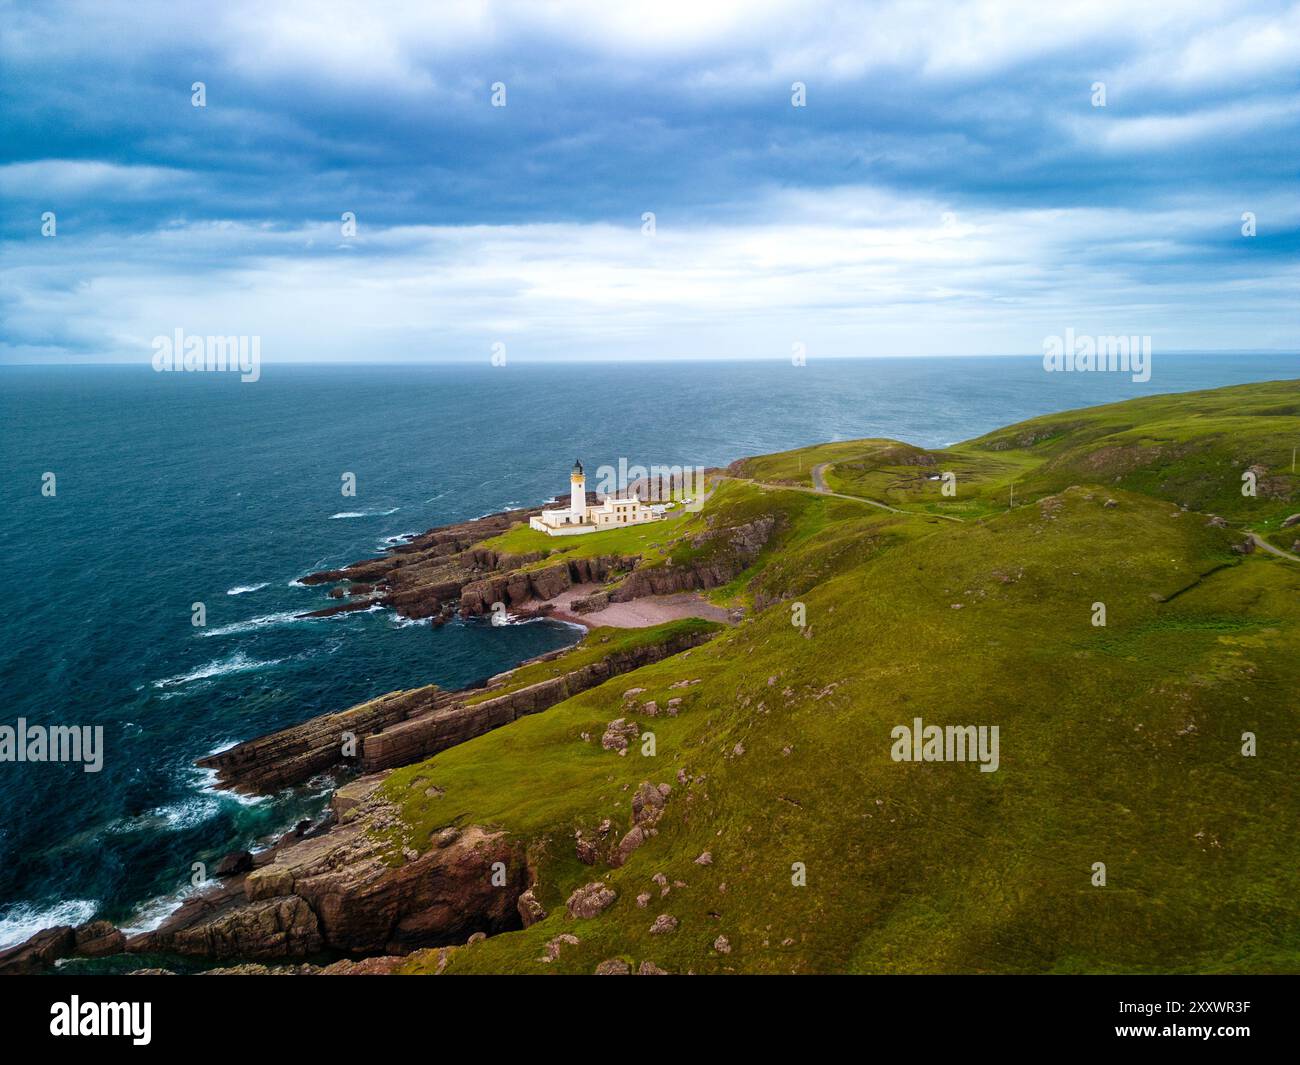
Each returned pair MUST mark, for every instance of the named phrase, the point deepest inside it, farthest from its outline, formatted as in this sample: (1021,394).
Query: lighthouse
(577,518)
(578,492)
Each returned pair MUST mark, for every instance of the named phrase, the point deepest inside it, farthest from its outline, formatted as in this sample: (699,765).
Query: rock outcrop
(39,952)
(407,726)
(296,754)
(353,891)
(591,900)
(447,571)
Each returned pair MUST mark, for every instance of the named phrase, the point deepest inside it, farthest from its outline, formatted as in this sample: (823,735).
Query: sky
(949,185)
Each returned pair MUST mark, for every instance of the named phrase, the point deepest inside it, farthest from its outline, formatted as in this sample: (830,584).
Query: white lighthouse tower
(612,512)
(578,492)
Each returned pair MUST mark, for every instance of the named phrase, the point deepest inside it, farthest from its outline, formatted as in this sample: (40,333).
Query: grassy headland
(1120,744)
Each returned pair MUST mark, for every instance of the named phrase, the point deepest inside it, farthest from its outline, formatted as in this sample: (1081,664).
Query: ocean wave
(23,920)
(252,624)
(365,513)
(240,589)
(184,813)
(206,781)
(400,622)
(236,663)
(153,913)
(176,816)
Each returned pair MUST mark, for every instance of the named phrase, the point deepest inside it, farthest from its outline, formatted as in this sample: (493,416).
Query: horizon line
(600,360)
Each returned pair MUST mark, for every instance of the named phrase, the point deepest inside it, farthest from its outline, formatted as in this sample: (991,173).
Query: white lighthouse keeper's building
(610,513)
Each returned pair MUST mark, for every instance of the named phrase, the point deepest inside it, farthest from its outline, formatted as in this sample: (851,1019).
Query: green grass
(1189,448)
(597,645)
(650,540)
(1119,744)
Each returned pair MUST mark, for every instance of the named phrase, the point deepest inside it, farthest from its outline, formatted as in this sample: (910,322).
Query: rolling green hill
(1119,743)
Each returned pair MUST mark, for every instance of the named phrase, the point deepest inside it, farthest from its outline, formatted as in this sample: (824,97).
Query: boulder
(530,910)
(234,862)
(664,924)
(647,804)
(271,881)
(619,733)
(627,845)
(40,951)
(552,949)
(98,939)
(591,900)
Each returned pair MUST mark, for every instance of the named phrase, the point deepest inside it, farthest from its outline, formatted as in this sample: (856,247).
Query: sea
(177,489)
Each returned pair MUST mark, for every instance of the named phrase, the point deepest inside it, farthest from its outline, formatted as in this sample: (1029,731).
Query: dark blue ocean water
(181,488)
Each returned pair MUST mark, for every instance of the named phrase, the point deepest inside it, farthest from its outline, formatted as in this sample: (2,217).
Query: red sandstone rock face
(367,906)
(446,571)
(39,952)
(353,891)
(340,892)
(282,927)
(296,754)
(404,727)
(98,939)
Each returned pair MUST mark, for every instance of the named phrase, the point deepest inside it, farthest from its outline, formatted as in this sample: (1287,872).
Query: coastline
(632,614)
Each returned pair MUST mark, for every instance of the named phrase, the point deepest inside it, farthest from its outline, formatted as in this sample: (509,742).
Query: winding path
(1259,541)
(820,488)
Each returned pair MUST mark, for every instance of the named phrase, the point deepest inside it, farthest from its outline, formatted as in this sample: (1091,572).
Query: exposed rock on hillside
(343,891)
(403,727)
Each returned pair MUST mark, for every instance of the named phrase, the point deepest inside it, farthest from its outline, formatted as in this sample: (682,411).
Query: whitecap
(400,622)
(154,912)
(365,513)
(240,589)
(185,813)
(174,817)
(206,781)
(22,920)
(236,663)
(253,623)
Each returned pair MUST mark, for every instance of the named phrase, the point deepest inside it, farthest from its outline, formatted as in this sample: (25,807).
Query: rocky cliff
(405,726)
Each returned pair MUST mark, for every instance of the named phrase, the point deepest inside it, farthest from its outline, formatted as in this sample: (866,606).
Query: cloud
(775,223)
(857,271)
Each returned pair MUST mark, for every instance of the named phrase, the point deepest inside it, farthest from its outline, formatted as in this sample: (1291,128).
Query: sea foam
(365,513)
(23,920)
(236,663)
